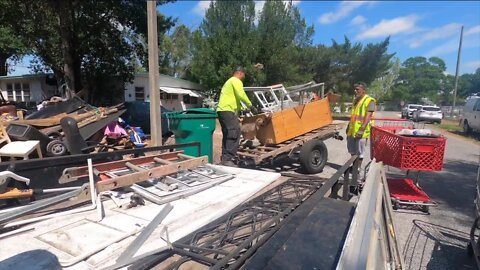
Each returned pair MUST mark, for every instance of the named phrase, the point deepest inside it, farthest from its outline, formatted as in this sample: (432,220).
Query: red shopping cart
(406,152)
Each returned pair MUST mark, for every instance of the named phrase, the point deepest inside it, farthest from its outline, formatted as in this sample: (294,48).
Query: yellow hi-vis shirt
(231,95)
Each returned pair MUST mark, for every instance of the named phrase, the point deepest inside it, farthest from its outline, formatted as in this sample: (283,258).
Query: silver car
(428,114)
(408,110)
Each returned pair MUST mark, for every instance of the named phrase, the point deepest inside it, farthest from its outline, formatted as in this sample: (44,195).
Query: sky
(416,28)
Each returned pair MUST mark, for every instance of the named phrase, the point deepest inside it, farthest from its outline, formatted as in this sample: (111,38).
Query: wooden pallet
(262,153)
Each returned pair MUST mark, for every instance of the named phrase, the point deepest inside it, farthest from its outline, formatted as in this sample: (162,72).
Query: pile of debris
(126,211)
(58,127)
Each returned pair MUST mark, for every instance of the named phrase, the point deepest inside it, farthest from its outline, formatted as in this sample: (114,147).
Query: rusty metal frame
(137,177)
(75,173)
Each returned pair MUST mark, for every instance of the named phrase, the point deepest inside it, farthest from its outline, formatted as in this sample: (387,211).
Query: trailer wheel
(313,156)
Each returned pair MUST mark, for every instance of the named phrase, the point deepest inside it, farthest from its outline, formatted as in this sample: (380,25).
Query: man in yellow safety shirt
(358,130)
(229,105)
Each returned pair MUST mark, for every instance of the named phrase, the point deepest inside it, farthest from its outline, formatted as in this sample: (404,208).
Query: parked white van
(471,115)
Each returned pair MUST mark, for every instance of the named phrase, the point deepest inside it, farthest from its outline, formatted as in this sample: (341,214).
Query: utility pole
(153,76)
(456,72)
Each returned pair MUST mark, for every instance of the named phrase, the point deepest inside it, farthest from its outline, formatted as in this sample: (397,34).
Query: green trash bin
(194,125)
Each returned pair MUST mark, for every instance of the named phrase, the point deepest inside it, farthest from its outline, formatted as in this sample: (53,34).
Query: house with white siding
(175,93)
(28,89)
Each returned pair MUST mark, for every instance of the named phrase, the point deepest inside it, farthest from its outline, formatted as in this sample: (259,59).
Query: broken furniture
(44,125)
(287,120)
(288,128)
(18,149)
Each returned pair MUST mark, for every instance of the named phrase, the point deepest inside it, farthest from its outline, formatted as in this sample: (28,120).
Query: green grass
(450,127)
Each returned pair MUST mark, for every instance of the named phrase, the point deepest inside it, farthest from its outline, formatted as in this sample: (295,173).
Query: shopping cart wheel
(426,209)
(395,205)
(313,156)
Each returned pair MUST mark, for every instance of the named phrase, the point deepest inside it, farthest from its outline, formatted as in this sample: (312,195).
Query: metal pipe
(40,205)
(59,214)
(53,190)
(128,253)
(93,191)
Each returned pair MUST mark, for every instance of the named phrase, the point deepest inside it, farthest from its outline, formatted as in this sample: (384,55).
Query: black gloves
(254,110)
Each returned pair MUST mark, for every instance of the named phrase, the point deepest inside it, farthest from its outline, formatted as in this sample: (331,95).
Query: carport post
(153,76)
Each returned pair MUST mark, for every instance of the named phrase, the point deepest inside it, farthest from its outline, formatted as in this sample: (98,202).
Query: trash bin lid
(193,113)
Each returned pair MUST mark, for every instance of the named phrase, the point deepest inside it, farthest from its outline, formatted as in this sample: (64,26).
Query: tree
(175,53)
(382,86)
(469,84)
(283,36)
(373,62)
(341,65)
(422,78)
(11,42)
(225,39)
(86,42)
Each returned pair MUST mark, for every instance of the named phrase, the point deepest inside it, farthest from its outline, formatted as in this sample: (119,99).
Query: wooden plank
(267,147)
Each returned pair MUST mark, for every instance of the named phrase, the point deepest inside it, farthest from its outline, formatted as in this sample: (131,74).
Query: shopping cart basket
(416,153)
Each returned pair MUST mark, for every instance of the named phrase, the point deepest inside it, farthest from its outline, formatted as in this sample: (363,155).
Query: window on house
(186,99)
(17,88)
(163,95)
(189,99)
(26,92)
(10,91)
(19,92)
(139,93)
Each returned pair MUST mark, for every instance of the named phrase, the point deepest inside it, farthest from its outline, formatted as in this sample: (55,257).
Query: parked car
(471,115)
(428,114)
(408,110)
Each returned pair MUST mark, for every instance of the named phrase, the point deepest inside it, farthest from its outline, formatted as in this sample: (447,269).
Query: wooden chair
(20,149)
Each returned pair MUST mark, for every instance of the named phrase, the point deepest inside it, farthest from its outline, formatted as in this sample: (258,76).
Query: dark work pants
(231,134)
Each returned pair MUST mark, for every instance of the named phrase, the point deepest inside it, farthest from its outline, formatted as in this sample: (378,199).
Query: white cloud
(451,46)
(344,9)
(473,30)
(473,64)
(399,25)
(358,20)
(201,7)
(445,31)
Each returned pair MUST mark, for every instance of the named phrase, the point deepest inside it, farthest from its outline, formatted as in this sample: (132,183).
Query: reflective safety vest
(359,112)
